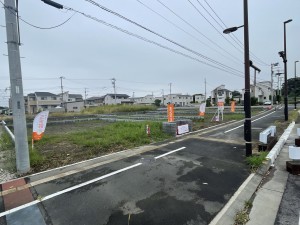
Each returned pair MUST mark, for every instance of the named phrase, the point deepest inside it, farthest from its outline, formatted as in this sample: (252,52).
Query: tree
(157,102)
(227,100)
(254,101)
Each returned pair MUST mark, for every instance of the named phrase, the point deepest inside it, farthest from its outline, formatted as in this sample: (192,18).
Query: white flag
(39,125)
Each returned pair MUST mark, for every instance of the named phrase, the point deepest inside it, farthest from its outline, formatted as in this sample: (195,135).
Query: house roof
(95,98)
(118,95)
(42,94)
(75,96)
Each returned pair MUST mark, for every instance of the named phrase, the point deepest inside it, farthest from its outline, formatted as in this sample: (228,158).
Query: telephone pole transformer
(17,97)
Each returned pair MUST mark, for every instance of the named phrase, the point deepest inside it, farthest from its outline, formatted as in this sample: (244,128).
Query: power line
(155,43)
(214,27)
(194,37)
(161,36)
(233,34)
(198,31)
(38,27)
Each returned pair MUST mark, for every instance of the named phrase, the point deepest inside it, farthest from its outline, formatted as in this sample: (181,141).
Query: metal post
(295,86)
(247,102)
(286,115)
(18,106)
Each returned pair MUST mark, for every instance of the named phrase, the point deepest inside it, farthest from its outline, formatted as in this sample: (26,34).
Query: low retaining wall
(171,127)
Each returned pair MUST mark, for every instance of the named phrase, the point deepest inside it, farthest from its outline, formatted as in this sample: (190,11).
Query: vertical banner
(202,109)
(170,112)
(232,108)
(39,125)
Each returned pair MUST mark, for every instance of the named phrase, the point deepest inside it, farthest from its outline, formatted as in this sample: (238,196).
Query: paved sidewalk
(269,195)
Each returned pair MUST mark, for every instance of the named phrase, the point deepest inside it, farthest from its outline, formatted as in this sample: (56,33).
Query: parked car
(267,103)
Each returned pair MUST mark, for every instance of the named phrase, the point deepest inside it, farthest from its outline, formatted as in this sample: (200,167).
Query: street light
(295,85)
(247,103)
(283,55)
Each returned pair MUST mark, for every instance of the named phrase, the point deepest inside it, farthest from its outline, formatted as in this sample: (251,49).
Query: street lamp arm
(231,29)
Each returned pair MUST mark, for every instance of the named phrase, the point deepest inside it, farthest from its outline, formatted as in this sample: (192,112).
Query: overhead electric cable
(38,27)
(266,64)
(215,27)
(163,37)
(197,39)
(198,31)
(153,42)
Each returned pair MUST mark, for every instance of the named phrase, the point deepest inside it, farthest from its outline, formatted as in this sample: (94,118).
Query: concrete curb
(227,215)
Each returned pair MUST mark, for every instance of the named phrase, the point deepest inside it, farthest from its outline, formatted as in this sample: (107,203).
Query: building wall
(74,106)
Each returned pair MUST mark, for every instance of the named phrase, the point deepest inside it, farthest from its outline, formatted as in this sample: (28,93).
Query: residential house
(113,99)
(75,106)
(198,98)
(176,99)
(146,100)
(40,101)
(262,91)
(94,101)
(220,94)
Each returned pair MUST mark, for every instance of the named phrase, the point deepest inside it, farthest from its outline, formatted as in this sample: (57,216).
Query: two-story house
(220,94)
(114,99)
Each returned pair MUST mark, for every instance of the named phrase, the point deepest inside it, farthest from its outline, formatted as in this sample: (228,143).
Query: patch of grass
(293,115)
(242,216)
(118,136)
(255,161)
(6,142)
(36,159)
(111,137)
(105,109)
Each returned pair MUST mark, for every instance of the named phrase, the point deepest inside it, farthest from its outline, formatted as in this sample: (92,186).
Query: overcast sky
(184,48)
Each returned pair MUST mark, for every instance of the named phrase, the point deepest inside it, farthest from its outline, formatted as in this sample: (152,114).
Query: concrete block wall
(171,127)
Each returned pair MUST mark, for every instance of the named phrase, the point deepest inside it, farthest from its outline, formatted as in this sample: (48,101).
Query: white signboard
(183,129)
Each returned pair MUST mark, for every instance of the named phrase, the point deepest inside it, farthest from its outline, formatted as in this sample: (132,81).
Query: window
(53,98)
(69,100)
(75,107)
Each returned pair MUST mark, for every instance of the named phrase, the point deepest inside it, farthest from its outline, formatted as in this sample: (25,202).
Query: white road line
(168,153)
(299,217)
(80,185)
(251,122)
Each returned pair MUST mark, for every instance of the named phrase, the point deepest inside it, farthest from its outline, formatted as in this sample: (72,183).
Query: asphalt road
(182,183)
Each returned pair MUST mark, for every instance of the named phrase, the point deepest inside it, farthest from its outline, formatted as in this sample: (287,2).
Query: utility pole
(62,89)
(170,92)
(295,85)
(16,84)
(205,89)
(272,94)
(85,94)
(113,81)
(163,97)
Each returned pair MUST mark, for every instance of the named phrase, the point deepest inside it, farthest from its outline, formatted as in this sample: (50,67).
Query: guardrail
(12,136)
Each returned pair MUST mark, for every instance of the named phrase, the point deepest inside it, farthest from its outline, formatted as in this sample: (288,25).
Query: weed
(255,161)
(105,109)
(6,142)
(36,159)
(242,216)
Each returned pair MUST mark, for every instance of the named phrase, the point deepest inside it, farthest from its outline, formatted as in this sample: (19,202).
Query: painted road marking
(168,153)
(251,122)
(81,185)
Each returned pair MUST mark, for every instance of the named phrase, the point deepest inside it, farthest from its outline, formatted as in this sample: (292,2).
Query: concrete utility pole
(272,94)
(170,92)
(113,81)
(163,97)
(85,94)
(18,106)
(295,85)
(62,89)
(205,89)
